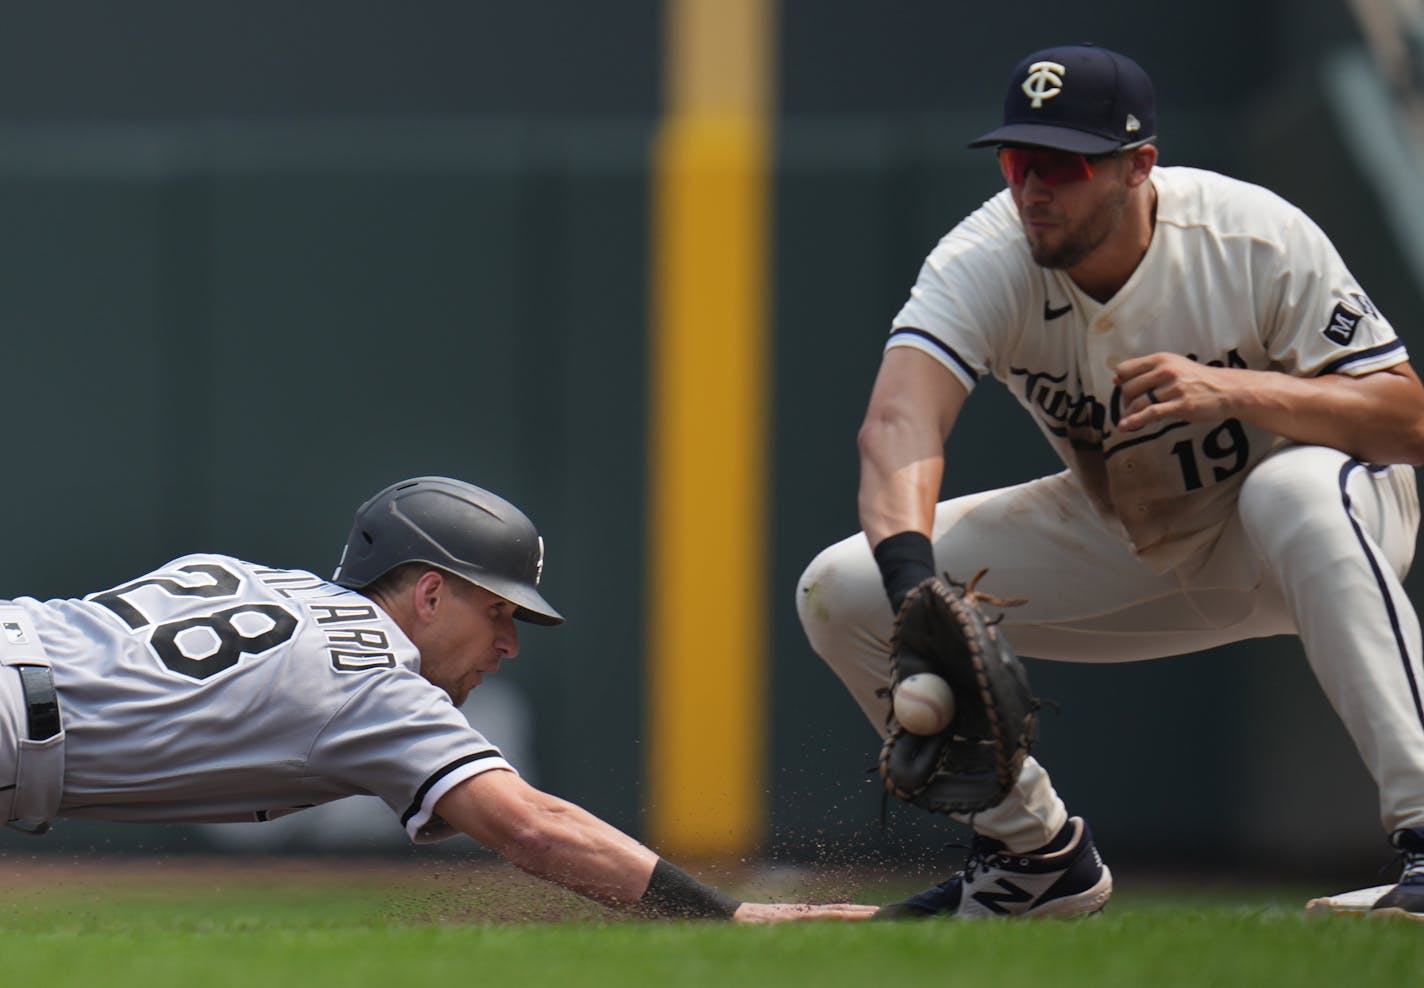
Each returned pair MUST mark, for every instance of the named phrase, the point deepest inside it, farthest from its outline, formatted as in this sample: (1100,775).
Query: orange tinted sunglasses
(1052,167)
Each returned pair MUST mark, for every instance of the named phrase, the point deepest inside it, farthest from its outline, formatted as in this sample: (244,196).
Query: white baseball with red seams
(924,703)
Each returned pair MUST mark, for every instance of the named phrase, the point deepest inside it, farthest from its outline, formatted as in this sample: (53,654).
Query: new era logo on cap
(1076,98)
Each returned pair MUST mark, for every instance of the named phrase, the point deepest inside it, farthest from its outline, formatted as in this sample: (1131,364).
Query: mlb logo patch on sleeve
(1343,323)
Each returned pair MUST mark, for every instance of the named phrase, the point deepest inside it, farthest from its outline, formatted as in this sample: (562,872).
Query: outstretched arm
(1377,417)
(555,840)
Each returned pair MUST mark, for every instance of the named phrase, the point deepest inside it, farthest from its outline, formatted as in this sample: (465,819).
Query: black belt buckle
(41,701)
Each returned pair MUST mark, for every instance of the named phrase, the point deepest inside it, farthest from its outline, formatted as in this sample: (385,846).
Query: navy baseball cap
(1076,98)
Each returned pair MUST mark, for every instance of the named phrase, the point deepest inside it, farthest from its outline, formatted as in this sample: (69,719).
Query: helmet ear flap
(454,526)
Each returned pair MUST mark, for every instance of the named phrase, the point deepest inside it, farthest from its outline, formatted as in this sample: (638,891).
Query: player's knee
(839,592)
(1285,491)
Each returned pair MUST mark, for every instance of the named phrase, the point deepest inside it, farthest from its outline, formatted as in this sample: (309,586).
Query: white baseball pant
(1317,548)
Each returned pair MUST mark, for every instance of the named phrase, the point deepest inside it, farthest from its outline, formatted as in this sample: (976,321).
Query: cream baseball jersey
(1234,276)
(214,689)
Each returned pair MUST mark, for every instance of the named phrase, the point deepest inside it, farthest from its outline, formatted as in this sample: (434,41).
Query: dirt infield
(77,872)
(431,891)
(421,890)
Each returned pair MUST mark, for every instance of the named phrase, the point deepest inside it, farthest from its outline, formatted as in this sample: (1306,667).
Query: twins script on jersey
(982,306)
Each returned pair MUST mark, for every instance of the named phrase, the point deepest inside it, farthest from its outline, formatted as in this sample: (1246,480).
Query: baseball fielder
(214,689)
(1235,418)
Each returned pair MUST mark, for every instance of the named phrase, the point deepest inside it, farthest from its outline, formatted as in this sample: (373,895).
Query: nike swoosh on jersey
(1050,313)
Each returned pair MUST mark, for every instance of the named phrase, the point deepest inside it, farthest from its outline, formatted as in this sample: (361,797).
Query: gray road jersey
(215,690)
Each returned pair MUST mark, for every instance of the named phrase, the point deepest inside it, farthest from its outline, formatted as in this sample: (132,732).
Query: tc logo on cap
(1044,81)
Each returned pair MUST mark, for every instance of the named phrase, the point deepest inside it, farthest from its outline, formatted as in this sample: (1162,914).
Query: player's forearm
(895,495)
(606,870)
(555,840)
(901,465)
(549,837)
(575,849)
(561,843)
(912,408)
(897,498)
(1377,418)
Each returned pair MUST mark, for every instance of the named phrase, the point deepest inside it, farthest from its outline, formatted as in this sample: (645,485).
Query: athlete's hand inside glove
(973,762)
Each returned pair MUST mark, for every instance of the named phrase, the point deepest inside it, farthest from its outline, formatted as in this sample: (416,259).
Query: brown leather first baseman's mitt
(973,762)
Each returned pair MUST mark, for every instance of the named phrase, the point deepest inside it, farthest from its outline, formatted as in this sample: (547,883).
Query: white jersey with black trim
(1234,276)
(214,689)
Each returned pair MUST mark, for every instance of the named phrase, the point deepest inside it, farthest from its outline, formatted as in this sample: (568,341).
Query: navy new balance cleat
(1406,899)
(1064,878)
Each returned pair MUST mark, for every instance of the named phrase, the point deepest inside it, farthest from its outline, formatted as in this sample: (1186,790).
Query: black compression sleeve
(674,893)
(906,560)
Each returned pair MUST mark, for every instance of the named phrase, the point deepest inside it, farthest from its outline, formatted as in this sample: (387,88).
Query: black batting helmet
(453,526)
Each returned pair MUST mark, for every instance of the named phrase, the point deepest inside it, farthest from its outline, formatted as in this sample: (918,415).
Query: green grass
(385,929)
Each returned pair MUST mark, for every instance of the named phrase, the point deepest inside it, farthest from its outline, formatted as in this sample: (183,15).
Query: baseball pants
(1317,548)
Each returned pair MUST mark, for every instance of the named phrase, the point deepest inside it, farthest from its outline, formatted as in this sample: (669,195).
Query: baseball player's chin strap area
(675,894)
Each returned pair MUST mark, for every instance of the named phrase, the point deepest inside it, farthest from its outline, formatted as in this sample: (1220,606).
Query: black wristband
(906,560)
(674,893)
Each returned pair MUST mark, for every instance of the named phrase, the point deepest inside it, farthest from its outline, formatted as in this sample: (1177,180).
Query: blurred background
(260,259)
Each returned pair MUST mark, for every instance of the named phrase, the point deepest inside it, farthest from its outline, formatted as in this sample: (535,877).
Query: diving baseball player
(214,689)
(1236,420)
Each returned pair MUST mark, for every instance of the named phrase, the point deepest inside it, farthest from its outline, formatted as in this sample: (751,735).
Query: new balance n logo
(1012,895)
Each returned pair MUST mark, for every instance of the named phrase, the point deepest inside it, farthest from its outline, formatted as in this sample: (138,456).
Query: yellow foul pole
(709,350)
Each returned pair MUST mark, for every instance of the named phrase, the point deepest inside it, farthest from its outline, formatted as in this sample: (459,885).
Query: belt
(41,702)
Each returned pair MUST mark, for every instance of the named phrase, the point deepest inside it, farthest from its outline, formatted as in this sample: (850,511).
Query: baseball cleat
(1406,899)
(1064,878)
